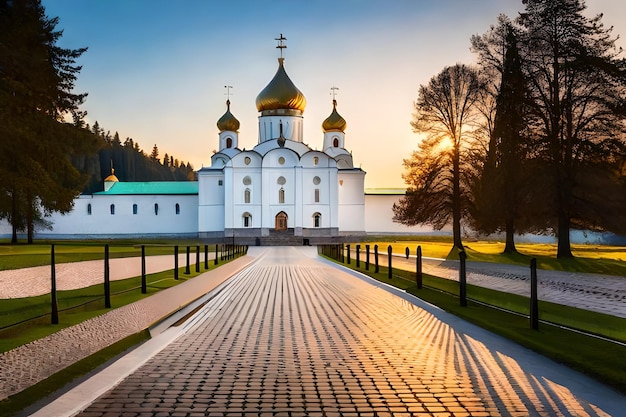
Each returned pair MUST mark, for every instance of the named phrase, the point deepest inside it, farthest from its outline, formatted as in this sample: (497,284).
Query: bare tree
(445,112)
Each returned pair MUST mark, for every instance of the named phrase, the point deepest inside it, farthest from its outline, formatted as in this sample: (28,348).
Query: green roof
(152,188)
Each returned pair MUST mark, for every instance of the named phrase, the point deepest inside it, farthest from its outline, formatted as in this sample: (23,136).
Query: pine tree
(35,96)
(577,87)
(501,189)
(154,156)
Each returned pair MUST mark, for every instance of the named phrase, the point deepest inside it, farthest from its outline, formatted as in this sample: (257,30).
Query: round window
(247,181)
(246,160)
(281,181)
(281,160)
(316,180)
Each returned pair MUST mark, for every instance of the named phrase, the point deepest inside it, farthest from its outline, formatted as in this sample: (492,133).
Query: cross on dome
(281,43)
(333,91)
(228,87)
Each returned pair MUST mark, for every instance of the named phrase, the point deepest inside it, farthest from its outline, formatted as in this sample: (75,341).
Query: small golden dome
(334,122)
(280,93)
(228,121)
(112,177)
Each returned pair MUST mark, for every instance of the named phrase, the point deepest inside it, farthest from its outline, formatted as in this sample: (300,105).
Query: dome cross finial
(281,43)
(333,92)
(228,87)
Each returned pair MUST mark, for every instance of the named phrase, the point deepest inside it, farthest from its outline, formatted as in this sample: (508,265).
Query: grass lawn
(598,358)
(609,260)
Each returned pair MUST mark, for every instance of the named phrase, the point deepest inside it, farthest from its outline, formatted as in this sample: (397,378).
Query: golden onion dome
(112,177)
(334,122)
(280,93)
(228,121)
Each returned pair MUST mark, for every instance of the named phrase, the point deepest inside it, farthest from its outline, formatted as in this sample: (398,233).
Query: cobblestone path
(294,336)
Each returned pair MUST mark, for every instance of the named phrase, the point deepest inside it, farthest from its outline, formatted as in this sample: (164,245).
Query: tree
(445,112)
(36,82)
(501,189)
(154,156)
(576,84)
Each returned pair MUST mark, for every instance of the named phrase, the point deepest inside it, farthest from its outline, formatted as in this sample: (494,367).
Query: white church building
(281,187)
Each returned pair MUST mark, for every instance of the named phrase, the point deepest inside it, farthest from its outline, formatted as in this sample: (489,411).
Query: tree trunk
(29,222)
(564,249)
(509,246)
(456,199)
(14,217)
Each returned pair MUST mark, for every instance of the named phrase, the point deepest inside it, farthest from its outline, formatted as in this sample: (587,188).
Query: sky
(156,70)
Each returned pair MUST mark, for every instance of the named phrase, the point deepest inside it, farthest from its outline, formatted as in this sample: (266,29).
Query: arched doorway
(281,221)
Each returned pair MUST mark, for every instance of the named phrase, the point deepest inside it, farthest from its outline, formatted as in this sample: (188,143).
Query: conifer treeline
(130,162)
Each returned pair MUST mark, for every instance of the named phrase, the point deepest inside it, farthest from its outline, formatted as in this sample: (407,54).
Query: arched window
(112,208)
(246,196)
(177,208)
(281,196)
(317,220)
(134,208)
(247,220)
(89,209)
(156,209)
(316,160)
(336,143)
(229,143)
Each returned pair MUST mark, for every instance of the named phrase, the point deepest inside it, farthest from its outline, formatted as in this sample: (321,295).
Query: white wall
(379,215)
(101,222)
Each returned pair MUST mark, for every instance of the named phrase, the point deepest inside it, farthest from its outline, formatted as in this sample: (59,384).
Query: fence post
(54,313)
(367,257)
(197,258)
(176,262)
(206,256)
(107,282)
(462,279)
(144,284)
(418,268)
(376,258)
(187,271)
(407,252)
(389,273)
(534,300)
(348,250)
(343,255)
(215,260)
(358,256)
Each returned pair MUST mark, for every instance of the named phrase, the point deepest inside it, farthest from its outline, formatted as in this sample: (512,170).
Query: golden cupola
(334,122)
(228,122)
(280,94)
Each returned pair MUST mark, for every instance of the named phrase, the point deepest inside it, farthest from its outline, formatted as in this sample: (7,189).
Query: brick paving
(291,335)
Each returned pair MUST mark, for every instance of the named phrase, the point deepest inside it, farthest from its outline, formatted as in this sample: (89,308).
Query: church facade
(281,187)
(281,191)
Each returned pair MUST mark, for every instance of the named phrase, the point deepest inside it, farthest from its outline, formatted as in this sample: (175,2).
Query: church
(281,187)
(280,192)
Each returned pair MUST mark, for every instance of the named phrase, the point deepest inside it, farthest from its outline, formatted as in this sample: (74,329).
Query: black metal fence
(343,253)
(103,294)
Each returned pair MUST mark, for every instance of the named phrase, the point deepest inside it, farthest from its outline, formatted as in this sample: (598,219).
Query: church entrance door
(281,221)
